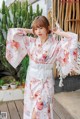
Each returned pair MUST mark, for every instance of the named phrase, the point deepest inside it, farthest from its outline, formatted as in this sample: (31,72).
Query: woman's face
(41,32)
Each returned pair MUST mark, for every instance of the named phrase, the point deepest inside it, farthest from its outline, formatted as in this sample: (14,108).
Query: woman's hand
(55,29)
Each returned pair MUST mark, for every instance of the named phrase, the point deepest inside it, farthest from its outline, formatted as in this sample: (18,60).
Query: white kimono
(39,88)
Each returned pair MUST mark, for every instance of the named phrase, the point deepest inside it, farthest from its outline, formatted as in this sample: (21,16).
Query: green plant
(7,79)
(2,82)
(16,15)
(15,83)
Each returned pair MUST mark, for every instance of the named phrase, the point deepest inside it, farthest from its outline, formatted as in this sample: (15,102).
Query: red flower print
(44,56)
(37,93)
(75,53)
(65,60)
(15,44)
(40,104)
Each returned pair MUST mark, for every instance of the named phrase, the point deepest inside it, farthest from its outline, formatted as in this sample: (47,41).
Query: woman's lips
(40,34)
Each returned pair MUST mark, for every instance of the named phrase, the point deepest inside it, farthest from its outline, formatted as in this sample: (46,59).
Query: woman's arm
(24,31)
(61,33)
(28,30)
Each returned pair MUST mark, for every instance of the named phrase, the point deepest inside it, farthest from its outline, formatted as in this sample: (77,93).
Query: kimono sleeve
(17,46)
(67,56)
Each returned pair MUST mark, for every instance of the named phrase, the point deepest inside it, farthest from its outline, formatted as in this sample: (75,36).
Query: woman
(43,51)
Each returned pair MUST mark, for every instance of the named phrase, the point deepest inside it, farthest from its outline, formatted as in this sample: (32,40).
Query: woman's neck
(43,39)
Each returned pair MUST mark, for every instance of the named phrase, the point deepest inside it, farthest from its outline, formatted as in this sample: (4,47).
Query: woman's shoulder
(32,39)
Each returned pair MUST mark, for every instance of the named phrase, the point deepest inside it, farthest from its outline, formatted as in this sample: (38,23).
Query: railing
(67,13)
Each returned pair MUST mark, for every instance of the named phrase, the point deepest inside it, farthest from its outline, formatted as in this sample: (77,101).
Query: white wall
(42,5)
(1,3)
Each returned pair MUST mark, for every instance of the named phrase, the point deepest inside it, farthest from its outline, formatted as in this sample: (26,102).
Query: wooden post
(73,17)
(53,24)
(66,17)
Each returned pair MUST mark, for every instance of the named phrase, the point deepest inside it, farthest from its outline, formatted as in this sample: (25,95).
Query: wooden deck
(14,109)
(66,106)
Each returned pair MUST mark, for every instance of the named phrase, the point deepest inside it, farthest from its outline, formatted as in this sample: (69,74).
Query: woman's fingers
(54,30)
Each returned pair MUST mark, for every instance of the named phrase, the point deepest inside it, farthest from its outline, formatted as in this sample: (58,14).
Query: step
(67,105)
(12,94)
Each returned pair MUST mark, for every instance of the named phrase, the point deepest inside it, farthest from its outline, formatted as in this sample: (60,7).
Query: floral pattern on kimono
(39,88)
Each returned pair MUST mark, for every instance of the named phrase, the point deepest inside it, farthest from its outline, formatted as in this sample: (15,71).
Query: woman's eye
(40,27)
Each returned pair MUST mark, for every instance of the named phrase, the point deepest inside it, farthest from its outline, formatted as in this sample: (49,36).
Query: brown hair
(41,21)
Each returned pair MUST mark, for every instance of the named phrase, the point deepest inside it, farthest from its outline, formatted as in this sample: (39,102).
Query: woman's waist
(37,66)
(39,73)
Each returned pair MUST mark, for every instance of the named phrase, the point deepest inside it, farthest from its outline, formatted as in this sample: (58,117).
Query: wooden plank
(60,15)
(13,111)
(62,19)
(61,112)
(70,13)
(66,17)
(56,116)
(4,108)
(58,10)
(73,17)
(70,102)
(19,105)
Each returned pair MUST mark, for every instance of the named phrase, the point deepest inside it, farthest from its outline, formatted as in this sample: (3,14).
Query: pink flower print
(37,93)
(26,43)
(21,31)
(9,55)
(44,55)
(75,53)
(48,110)
(67,55)
(49,115)
(65,60)
(39,104)
(39,45)
(15,44)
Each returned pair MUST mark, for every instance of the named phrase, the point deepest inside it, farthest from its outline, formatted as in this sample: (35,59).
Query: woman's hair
(41,21)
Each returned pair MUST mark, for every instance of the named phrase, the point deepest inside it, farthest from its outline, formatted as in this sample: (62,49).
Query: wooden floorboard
(14,109)
(56,116)
(4,108)
(19,106)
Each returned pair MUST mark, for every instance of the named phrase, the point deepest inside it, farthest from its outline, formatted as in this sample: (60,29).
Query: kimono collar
(38,41)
